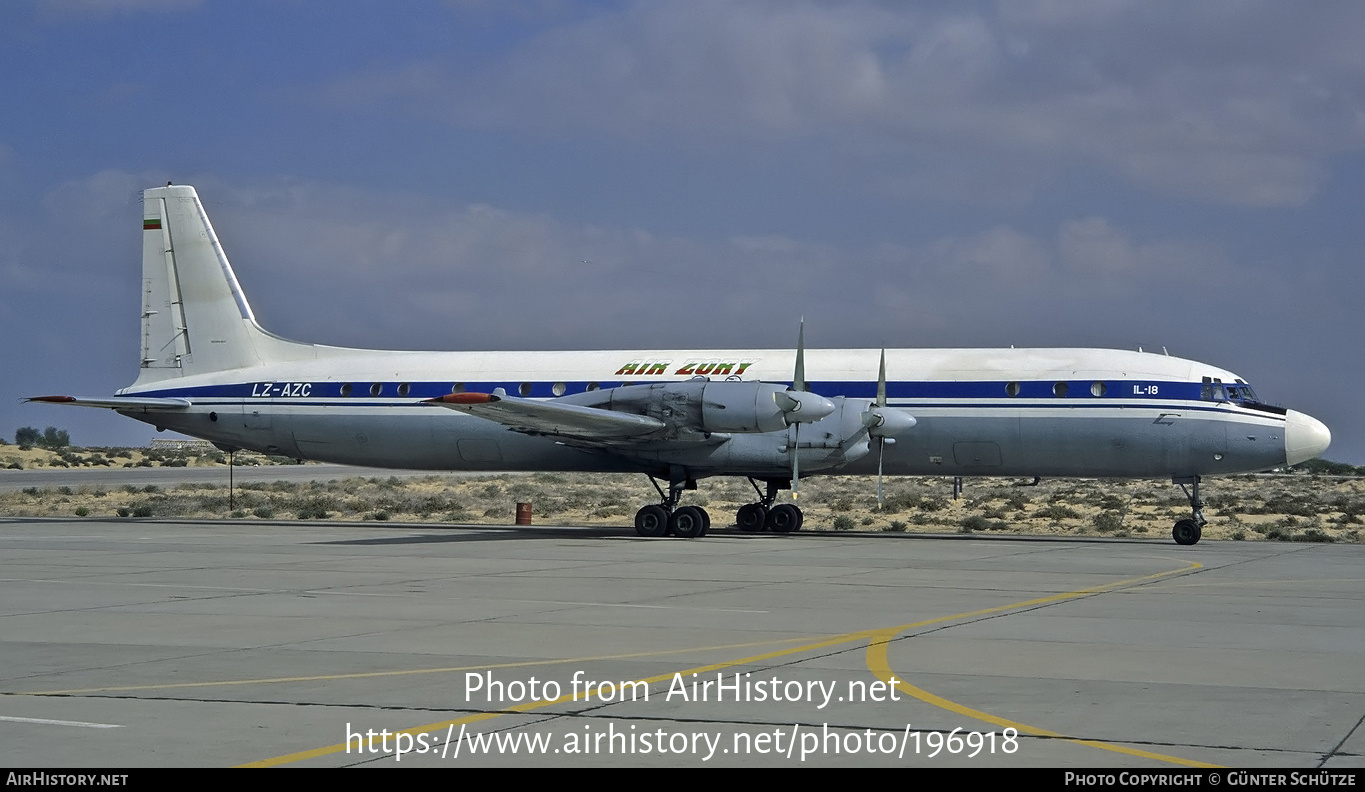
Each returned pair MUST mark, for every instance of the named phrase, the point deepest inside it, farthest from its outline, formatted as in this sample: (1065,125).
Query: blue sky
(541,174)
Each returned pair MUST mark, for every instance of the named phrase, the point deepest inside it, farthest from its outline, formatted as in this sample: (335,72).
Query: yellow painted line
(879,664)
(876,637)
(401,672)
(1214,584)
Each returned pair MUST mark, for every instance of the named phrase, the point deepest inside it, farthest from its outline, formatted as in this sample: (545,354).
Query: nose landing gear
(1189,530)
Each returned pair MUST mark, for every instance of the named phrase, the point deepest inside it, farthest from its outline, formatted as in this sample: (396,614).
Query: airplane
(210,371)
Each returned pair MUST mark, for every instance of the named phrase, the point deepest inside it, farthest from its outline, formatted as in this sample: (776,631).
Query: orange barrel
(523,514)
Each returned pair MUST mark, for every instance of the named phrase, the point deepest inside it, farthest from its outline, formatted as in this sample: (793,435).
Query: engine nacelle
(742,407)
(724,407)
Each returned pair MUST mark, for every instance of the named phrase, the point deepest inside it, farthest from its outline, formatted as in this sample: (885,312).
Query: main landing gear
(667,518)
(1188,531)
(782,518)
(688,522)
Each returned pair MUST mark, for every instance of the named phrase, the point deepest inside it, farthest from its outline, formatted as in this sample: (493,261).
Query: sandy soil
(1288,507)
(20,458)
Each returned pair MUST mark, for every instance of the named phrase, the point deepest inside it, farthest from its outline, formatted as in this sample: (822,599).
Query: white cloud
(1093,245)
(334,264)
(107,196)
(1096,248)
(1228,102)
(341,266)
(1001,254)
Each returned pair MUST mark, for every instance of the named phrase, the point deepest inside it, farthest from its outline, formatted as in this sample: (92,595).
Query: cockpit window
(1240,393)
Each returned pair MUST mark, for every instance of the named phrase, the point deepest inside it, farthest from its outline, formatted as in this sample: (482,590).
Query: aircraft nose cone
(1305,437)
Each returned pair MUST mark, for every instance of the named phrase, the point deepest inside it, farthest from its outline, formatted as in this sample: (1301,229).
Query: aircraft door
(262,432)
(977,454)
(1193,446)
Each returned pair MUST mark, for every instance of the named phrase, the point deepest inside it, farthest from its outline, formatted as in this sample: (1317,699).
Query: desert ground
(1276,507)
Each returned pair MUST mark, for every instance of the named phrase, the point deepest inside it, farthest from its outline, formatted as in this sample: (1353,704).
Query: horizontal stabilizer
(120,403)
(531,416)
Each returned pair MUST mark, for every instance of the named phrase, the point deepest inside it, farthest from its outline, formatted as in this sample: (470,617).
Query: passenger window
(1059,389)
(1012,389)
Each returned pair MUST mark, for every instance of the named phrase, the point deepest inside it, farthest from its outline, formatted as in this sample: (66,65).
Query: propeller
(798,386)
(882,421)
(800,406)
(881,439)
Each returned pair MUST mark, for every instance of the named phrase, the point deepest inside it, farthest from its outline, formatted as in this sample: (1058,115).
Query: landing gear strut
(782,518)
(1188,531)
(687,522)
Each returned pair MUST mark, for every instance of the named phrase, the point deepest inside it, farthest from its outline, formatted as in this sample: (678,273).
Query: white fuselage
(1119,413)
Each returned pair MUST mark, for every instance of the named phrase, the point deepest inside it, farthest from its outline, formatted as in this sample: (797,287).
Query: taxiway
(168,643)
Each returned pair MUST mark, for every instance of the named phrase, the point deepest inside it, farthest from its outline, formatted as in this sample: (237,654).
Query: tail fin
(195,318)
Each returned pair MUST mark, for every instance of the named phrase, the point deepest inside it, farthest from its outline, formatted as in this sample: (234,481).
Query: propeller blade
(796,462)
(881,382)
(799,377)
(881,446)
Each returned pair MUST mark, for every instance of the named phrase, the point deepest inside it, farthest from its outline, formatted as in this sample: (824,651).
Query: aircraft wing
(120,403)
(531,416)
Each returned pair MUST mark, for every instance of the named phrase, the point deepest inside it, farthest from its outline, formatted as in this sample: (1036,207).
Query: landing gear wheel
(688,522)
(785,518)
(705,521)
(1186,532)
(751,517)
(651,521)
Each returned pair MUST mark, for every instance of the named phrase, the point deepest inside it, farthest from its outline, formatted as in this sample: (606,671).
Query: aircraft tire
(705,521)
(751,517)
(689,522)
(785,518)
(651,521)
(1186,532)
